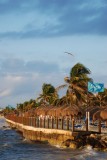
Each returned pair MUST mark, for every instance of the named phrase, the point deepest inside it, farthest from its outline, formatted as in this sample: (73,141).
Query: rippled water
(14,147)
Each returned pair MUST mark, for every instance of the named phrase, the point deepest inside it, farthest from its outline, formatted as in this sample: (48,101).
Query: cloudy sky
(34,34)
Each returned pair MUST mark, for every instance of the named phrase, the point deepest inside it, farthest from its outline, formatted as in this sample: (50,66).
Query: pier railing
(50,123)
(53,123)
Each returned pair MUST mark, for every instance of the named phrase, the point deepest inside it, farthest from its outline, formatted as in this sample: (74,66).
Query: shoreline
(1,116)
(68,139)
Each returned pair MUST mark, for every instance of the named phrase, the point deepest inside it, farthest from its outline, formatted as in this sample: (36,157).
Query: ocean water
(14,147)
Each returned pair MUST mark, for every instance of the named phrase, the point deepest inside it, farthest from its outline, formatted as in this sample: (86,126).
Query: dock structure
(53,131)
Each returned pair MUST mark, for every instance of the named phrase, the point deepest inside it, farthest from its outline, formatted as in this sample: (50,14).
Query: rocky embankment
(73,140)
(95,141)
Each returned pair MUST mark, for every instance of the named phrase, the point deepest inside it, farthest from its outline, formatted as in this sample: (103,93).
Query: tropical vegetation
(76,93)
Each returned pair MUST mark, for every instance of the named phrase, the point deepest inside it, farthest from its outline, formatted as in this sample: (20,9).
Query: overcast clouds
(34,34)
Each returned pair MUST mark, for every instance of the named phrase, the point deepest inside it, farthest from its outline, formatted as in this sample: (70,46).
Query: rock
(104,137)
(81,142)
(66,143)
(92,135)
(96,149)
(93,141)
(73,145)
(103,144)
(88,146)
(105,150)
(81,147)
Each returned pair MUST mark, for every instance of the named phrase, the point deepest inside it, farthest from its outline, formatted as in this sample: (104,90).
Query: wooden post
(106,124)
(67,124)
(86,124)
(34,123)
(37,121)
(44,122)
(48,122)
(27,121)
(62,121)
(56,123)
(23,120)
(73,125)
(40,122)
(88,115)
(87,121)
(52,122)
(99,126)
(30,121)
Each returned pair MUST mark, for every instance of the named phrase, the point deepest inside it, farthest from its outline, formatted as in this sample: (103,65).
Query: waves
(14,147)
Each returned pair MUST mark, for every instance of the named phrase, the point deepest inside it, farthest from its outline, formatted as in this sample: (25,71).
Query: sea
(13,146)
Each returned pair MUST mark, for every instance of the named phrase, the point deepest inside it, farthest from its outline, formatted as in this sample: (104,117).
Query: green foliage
(76,92)
(79,70)
(49,94)
(76,84)
(48,89)
(8,109)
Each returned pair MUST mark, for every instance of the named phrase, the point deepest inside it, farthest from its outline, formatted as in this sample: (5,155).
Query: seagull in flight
(69,53)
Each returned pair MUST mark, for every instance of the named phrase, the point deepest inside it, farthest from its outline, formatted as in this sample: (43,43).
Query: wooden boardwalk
(59,124)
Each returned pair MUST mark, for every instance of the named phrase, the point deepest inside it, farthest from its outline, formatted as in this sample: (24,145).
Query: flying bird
(69,53)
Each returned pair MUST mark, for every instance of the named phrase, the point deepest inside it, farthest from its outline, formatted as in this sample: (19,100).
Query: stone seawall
(52,136)
(62,138)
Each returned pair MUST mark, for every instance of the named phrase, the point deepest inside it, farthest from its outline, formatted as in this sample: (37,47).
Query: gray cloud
(20,66)
(21,80)
(74,17)
(9,6)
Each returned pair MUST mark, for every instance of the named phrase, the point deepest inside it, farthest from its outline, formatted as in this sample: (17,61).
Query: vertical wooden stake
(56,123)
(62,123)
(73,125)
(44,122)
(99,126)
(87,121)
(37,121)
(67,124)
(48,122)
(52,123)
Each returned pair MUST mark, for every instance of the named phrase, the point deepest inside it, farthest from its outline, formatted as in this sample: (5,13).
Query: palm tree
(101,98)
(49,94)
(77,84)
(8,110)
(20,107)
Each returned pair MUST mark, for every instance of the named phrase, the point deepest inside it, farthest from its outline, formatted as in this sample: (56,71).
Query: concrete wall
(52,136)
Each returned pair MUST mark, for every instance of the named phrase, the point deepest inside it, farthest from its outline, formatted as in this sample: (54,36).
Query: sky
(34,36)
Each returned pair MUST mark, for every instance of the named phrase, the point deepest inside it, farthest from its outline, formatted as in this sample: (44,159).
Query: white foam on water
(90,151)
(3,123)
(24,139)
(58,146)
(86,152)
(89,147)
(5,145)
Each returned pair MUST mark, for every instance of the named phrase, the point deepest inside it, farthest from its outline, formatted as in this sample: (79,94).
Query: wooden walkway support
(50,123)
